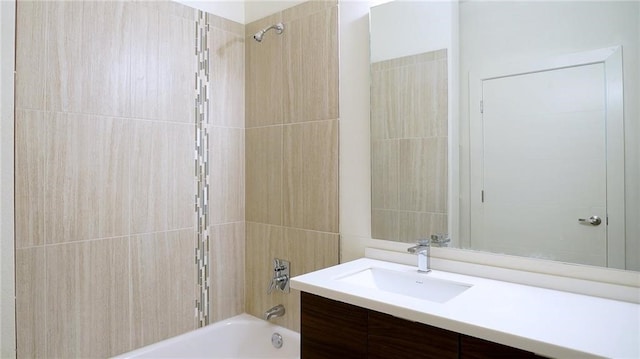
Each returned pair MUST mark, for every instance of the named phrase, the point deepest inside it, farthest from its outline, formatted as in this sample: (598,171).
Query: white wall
(241,11)
(228,9)
(355,163)
(410,27)
(7,291)
(257,9)
(493,32)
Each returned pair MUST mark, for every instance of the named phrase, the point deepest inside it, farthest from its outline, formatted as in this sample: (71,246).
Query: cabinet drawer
(331,329)
(395,338)
(474,348)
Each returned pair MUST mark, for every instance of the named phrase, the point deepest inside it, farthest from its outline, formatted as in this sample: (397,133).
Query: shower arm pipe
(279,27)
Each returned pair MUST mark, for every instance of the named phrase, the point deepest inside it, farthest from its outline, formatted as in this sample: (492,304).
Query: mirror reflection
(525,112)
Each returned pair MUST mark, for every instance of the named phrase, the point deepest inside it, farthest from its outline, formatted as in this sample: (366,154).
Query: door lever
(593,220)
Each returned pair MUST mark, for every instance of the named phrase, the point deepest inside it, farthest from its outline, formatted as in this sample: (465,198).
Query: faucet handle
(272,286)
(424,241)
(279,265)
(440,240)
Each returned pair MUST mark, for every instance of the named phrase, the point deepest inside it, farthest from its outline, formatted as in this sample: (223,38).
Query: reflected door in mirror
(543,166)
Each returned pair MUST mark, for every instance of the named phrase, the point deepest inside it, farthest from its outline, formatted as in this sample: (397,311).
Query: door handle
(593,220)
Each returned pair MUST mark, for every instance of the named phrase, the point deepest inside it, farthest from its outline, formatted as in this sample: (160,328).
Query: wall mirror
(511,126)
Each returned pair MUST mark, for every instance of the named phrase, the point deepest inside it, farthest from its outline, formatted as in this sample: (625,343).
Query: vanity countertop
(547,322)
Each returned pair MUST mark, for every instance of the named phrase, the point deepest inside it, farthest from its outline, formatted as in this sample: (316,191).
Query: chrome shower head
(258,35)
(279,27)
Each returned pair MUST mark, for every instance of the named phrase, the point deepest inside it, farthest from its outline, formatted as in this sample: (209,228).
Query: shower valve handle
(279,282)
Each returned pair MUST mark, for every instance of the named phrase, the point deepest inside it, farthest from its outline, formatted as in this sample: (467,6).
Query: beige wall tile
(226,174)
(182,10)
(30,302)
(227,273)
(31,54)
(418,225)
(264,175)
(423,175)
(89,74)
(306,250)
(163,282)
(30,140)
(263,244)
(409,102)
(409,60)
(384,224)
(106,45)
(226,106)
(145,62)
(383,107)
(409,97)
(311,67)
(177,66)
(442,97)
(65,73)
(181,177)
(160,201)
(149,181)
(311,176)
(87,174)
(384,174)
(416,93)
(172,8)
(87,299)
(79,170)
(264,75)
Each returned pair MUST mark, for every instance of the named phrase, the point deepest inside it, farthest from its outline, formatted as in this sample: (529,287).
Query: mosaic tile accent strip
(202,167)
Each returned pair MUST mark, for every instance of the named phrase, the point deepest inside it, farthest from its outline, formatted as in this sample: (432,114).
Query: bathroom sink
(416,285)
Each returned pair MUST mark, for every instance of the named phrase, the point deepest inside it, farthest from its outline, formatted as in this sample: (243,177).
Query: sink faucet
(423,246)
(422,250)
(274,312)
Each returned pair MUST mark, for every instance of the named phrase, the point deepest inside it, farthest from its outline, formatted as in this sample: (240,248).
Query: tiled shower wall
(291,151)
(105,174)
(105,168)
(227,160)
(409,146)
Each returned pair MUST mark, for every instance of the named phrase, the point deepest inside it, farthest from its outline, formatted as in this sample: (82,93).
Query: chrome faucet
(422,250)
(275,312)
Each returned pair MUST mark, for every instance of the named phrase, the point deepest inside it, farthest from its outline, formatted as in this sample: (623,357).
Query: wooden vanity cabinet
(331,329)
(391,337)
(476,348)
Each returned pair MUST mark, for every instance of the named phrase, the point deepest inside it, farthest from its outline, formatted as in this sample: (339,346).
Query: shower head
(279,27)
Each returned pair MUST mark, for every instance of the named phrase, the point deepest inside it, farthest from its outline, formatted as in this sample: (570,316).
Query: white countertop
(547,322)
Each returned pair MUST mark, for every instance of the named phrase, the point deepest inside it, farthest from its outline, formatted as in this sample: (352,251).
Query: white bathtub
(240,337)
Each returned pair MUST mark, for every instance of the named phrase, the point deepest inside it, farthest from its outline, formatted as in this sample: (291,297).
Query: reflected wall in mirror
(409,119)
(510,35)
(409,146)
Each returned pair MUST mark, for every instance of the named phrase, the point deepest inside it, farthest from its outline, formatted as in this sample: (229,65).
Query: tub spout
(274,312)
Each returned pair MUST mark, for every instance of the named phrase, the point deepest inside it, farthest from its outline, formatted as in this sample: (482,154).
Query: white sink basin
(416,285)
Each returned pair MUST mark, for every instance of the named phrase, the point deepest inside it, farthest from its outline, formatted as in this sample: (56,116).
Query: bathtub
(240,337)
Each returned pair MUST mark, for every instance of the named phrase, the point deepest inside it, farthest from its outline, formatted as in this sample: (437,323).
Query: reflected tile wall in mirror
(409,122)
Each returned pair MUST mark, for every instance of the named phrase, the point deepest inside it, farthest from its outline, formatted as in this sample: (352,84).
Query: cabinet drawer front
(391,337)
(475,348)
(331,329)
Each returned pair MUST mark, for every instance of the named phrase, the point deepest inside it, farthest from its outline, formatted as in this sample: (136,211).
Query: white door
(544,166)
